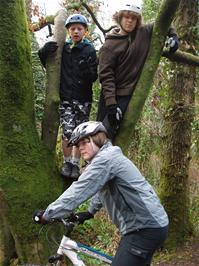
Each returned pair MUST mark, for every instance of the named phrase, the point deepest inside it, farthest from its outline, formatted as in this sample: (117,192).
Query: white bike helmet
(84,130)
(133,7)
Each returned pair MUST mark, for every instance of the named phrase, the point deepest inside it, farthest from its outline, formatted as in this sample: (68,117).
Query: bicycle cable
(38,237)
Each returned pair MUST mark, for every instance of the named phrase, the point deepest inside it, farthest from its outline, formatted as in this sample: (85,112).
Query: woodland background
(159,132)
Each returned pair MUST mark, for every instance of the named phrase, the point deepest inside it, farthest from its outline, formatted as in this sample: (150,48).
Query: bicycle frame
(71,249)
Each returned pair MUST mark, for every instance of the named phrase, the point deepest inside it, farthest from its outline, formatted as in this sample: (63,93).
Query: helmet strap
(94,146)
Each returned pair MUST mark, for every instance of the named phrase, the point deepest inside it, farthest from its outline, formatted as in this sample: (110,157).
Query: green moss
(28,176)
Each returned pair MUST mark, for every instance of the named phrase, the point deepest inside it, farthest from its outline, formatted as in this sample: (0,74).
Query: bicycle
(71,249)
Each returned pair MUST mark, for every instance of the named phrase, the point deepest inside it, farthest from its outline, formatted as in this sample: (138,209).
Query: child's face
(129,22)
(76,32)
(87,148)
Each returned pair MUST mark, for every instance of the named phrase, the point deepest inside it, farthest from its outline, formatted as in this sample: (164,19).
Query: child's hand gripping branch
(172,43)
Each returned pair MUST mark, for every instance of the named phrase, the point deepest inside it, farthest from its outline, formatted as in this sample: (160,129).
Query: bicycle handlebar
(68,223)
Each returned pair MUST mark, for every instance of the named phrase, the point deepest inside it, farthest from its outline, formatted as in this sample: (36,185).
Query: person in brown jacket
(121,60)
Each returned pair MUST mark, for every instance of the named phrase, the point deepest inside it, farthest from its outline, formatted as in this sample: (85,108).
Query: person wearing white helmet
(112,181)
(121,60)
(78,72)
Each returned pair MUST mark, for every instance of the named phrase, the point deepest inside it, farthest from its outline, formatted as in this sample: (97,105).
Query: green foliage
(98,233)
(195,139)
(195,124)
(39,84)
(96,94)
(150,8)
(26,179)
(194,213)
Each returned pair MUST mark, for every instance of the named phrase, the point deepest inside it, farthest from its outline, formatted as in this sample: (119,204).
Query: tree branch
(43,22)
(104,31)
(50,19)
(182,57)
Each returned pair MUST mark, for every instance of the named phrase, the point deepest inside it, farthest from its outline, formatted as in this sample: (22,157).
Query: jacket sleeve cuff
(172,32)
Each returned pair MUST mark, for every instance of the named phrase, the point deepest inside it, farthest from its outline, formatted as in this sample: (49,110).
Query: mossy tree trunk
(28,178)
(178,130)
(28,9)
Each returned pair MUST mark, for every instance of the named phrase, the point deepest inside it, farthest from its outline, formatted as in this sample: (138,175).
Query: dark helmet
(76,18)
(86,129)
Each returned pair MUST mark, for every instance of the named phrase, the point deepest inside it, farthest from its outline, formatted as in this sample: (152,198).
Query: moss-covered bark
(7,247)
(133,113)
(178,130)
(182,57)
(26,169)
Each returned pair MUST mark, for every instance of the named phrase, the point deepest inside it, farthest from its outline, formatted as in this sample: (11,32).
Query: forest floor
(188,255)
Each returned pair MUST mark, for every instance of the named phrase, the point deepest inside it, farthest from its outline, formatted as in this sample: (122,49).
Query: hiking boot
(75,172)
(67,169)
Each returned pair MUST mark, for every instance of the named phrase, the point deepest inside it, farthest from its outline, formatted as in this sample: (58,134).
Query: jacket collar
(106,145)
(84,42)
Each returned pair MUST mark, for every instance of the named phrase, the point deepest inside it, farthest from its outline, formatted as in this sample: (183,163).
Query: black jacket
(78,71)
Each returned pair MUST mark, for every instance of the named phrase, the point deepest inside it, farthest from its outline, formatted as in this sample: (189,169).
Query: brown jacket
(121,61)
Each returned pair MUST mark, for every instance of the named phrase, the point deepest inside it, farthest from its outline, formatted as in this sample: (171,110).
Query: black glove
(172,43)
(83,216)
(38,217)
(48,49)
(114,114)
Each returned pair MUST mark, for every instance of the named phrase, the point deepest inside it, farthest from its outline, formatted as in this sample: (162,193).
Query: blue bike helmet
(76,18)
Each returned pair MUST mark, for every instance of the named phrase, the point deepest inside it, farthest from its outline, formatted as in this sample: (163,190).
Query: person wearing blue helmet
(76,18)
(78,72)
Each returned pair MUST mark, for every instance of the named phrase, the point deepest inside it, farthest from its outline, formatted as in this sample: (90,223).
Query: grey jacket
(115,183)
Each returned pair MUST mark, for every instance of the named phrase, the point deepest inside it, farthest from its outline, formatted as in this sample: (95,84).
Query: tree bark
(50,124)
(133,113)
(178,131)
(7,247)
(28,177)
(183,57)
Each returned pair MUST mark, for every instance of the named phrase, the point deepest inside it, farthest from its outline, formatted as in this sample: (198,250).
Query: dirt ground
(185,256)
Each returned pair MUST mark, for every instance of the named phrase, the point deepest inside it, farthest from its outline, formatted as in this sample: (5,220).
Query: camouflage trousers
(73,113)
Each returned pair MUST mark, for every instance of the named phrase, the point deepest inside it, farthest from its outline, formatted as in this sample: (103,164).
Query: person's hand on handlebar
(38,217)
(81,217)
